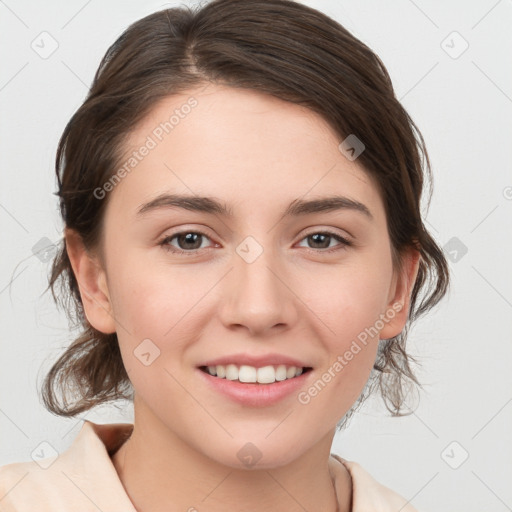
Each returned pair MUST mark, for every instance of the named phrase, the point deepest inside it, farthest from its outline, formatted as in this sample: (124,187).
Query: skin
(257,154)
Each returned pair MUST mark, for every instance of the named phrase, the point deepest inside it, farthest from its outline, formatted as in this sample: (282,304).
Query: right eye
(187,242)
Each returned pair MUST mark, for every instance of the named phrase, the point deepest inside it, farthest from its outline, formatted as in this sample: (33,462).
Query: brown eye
(323,240)
(186,241)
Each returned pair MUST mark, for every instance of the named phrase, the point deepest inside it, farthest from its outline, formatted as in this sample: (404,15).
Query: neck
(161,472)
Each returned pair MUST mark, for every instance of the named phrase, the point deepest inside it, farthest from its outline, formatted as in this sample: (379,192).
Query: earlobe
(92,284)
(398,307)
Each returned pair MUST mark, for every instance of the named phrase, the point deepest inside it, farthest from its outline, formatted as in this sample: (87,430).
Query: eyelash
(344,243)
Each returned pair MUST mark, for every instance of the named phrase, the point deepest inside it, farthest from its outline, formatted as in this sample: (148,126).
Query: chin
(242,453)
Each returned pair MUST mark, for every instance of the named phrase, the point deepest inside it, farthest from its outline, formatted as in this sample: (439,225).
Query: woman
(245,249)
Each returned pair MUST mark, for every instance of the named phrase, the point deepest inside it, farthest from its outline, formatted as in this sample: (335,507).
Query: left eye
(321,238)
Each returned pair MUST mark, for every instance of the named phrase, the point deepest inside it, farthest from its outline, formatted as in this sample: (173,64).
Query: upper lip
(256,361)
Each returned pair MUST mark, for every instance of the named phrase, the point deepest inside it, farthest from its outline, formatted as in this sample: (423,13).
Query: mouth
(253,375)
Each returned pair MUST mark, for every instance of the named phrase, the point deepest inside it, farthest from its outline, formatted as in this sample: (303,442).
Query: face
(263,276)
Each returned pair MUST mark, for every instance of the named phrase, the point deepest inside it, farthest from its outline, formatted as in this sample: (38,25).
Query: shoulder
(369,494)
(28,486)
(80,478)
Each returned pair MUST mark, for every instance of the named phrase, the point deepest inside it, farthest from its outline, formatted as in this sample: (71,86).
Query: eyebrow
(212,205)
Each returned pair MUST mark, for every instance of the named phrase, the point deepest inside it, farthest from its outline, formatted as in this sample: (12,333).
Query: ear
(399,302)
(92,283)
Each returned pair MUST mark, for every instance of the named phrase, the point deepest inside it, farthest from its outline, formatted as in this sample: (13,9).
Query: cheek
(348,309)
(160,312)
(150,300)
(348,300)
(351,343)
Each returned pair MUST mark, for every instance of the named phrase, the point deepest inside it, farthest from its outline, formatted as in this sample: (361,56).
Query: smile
(251,374)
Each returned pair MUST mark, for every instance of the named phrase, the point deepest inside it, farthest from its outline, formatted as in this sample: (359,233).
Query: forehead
(240,145)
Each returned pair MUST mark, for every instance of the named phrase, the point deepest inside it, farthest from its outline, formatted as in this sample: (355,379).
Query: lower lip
(255,395)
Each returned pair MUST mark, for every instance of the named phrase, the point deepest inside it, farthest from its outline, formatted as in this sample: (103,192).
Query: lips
(255,380)
(256,394)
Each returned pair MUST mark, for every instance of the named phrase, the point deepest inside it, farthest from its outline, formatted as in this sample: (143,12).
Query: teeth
(231,372)
(264,375)
(282,372)
(247,374)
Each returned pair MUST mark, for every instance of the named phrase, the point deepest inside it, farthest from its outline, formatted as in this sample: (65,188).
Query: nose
(257,297)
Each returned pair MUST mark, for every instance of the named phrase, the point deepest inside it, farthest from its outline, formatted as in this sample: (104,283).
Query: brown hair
(278,47)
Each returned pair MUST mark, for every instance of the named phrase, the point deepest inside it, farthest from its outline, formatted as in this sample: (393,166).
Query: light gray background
(462,106)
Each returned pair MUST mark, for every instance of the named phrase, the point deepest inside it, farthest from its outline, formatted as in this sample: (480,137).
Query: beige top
(84,479)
